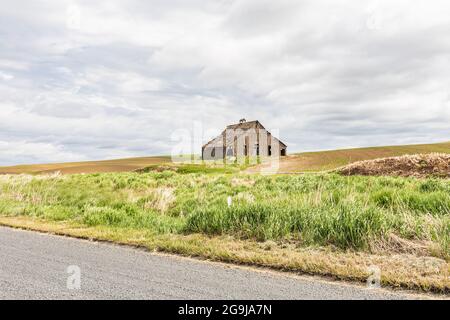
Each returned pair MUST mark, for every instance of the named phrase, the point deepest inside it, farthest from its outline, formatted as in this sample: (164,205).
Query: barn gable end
(243,139)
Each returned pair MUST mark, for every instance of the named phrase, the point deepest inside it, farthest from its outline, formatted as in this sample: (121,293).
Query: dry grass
(397,271)
(162,199)
(419,165)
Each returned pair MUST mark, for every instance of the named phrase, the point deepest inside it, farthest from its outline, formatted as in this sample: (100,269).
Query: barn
(243,139)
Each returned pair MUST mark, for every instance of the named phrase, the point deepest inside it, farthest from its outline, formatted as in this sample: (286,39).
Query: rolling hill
(118,165)
(301,162)
(328,160)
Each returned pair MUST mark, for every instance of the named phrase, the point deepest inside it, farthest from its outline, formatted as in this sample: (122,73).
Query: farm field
(323,224)
(117,165)
(301,162)
(329,160)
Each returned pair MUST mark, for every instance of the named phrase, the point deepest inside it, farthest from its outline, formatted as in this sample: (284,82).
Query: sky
(83,80)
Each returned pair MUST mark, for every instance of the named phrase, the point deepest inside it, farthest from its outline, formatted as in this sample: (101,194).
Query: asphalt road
(34,266)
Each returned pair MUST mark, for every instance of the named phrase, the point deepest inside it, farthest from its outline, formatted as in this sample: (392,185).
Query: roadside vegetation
(288,216)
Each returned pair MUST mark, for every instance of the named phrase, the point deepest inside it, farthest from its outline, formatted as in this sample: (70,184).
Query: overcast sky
(105,79)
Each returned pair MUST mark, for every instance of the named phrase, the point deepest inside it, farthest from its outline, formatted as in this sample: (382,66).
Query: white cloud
(112,78)
(23,151)
(5,76)
(11,64)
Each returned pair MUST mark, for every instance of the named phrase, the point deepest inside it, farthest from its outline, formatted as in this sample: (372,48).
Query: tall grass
(344,225)
(318,210)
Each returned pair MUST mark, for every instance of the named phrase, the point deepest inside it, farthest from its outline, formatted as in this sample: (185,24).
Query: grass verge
(317,224)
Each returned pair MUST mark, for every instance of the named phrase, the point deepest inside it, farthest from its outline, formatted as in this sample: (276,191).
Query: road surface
(35,266)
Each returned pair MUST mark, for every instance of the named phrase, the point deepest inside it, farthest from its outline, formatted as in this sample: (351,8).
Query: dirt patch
(418,165)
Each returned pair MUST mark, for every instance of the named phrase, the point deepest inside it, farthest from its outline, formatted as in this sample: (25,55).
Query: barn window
(213,152)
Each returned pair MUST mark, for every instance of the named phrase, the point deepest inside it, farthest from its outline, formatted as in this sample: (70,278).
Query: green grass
(193,168)
(309,210)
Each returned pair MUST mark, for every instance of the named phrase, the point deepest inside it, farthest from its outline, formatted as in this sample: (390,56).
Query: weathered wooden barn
(244,139)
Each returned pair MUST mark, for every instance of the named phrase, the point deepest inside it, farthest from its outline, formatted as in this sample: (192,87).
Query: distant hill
(307,161)
(118,165)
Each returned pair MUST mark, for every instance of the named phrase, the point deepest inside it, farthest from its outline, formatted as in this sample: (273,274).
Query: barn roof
(246,125)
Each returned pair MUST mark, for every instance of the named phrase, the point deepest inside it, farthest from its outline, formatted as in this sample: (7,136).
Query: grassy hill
(308,161)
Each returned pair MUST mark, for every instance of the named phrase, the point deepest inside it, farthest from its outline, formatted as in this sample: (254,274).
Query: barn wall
(213,153)
(240,143)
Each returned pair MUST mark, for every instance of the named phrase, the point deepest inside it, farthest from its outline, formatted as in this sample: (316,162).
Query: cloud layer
(93,80)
